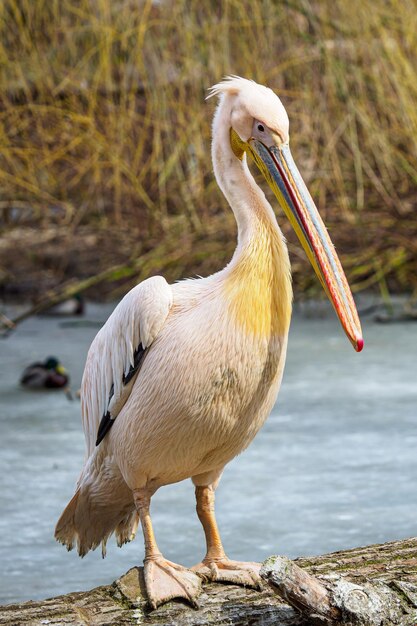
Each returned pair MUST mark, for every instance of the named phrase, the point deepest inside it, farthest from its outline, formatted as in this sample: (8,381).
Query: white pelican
(186,374)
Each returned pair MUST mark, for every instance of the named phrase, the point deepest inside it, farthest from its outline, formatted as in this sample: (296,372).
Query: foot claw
(165,580)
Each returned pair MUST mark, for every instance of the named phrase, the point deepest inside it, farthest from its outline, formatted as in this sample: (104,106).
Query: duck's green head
(52,363)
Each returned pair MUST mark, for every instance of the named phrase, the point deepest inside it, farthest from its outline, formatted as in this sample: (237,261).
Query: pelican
(181,377)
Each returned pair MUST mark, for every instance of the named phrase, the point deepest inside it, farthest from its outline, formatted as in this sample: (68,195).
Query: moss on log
(392,564)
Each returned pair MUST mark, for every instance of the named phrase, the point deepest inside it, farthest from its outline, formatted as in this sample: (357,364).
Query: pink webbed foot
(227,571)
(165,581)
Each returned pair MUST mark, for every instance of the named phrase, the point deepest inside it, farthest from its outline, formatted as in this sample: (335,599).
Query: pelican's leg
(215,565)
(164,580)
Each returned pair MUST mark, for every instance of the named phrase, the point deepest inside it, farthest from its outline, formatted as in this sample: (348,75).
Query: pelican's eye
(262,133)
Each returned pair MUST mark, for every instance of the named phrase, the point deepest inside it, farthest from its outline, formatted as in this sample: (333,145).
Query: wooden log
(306,593)
(390,570)
(335,600)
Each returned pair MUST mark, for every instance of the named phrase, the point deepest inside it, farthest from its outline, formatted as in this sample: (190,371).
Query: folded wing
(115,356)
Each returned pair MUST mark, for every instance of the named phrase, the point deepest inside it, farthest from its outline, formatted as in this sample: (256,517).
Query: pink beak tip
(359,344)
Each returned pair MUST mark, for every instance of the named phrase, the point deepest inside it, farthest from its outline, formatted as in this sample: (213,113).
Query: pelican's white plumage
(254,101)
(137,320)
(214,353)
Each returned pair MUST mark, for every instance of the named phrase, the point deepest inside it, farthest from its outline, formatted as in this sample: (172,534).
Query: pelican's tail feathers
(65,531)
(102,504)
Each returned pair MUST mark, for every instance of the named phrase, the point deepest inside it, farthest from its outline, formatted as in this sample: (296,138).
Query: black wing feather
(137,360)
(107,421)
(104,427)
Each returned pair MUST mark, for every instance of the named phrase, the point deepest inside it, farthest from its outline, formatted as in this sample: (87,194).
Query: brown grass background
(105,135)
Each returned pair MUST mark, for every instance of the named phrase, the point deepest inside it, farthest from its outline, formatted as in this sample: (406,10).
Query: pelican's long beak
(278,167)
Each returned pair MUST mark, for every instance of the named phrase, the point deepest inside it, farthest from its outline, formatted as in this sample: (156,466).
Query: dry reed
(102,119)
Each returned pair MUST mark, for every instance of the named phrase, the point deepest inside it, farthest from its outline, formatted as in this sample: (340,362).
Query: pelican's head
(259,126)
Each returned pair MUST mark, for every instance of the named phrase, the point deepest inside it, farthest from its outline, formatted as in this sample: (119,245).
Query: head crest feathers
(231,85)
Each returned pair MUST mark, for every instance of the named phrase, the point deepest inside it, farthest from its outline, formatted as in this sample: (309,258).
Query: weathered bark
(391,567)
(306,593)
(335,600)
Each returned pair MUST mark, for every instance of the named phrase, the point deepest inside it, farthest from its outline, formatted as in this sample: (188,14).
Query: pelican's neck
(258,280)
(251,209)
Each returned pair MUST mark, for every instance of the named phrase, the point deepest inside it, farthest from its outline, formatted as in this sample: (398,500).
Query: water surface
(334,467)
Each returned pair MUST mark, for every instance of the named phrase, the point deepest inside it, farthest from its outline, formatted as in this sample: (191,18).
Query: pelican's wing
(116,353)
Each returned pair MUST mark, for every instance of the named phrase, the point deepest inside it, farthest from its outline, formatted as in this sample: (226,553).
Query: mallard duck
(47,375)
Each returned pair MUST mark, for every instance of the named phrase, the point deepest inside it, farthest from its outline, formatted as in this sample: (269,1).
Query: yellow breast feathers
(258,287)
